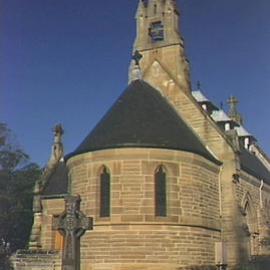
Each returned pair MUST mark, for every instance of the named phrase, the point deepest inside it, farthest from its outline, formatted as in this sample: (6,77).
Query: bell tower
(157,24)
(159,41)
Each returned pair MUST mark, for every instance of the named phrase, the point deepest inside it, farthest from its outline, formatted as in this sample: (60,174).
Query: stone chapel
(171,181)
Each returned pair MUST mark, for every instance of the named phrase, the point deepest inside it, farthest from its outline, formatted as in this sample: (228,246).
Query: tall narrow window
(105,196)
(160,193)
(155,9)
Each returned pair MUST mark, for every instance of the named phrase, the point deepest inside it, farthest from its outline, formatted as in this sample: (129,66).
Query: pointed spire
(141,9)
(233,111)
(158,29)
(171,4)
(57,148)
(155,7)
(157,24)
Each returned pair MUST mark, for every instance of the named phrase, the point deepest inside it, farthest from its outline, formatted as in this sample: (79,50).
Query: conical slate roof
(142,117)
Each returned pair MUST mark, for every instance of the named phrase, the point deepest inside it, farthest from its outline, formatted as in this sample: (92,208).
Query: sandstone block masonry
(132,236)
(36,260)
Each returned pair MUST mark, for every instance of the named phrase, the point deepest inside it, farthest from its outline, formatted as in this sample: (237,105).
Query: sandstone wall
(51,209)
(253,213)
(39,260)
(133,237)
(164,68)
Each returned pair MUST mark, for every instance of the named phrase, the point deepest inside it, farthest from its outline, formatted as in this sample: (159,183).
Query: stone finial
(233,111)
(137,58)
(56,156)
(58,129)
(57,148)
(135,72)
(172,4)
(141,8)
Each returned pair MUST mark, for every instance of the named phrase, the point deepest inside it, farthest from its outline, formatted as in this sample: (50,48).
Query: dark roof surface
(57,183)
(142,117)
(252,165)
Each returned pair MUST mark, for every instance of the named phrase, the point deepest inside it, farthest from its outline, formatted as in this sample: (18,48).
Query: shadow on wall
(199,267)
(4,264)
(257,263)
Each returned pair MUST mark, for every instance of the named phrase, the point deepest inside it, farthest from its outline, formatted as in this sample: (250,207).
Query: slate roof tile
(142,117)
(57,183)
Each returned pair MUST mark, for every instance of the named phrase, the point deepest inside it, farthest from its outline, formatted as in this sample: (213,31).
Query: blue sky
(67,61)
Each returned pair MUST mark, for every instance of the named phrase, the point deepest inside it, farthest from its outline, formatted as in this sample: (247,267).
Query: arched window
(155,9)
(250,225)
(160,193)
(105,193)
(249,218)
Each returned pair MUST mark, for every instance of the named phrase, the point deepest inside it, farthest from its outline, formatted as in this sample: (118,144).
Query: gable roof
(220,116)
(199,96)
(201,99)
(249,162)
(241,132)
(142,117)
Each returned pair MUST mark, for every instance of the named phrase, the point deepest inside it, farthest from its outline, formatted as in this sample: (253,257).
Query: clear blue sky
(67,61)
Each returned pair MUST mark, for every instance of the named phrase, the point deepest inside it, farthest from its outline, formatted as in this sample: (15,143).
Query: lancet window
(160,192)
(105,193)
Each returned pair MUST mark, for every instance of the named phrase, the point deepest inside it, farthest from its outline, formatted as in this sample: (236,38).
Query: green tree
(17,179)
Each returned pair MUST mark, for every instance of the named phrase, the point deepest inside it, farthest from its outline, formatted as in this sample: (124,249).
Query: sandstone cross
(72,224)
(137,58)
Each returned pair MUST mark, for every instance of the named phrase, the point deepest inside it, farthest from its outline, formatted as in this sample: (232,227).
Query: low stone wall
(36,260)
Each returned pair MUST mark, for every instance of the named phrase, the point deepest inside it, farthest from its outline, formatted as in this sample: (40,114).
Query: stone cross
(137,57)
(72,224)
(233,112)
(58,133)
(58,149)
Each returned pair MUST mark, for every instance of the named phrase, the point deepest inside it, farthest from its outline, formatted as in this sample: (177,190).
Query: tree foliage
(17,178)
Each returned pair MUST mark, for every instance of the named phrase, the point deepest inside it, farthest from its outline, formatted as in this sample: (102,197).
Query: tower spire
(159,40)
(57,148)
(157,24)
(141,9)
